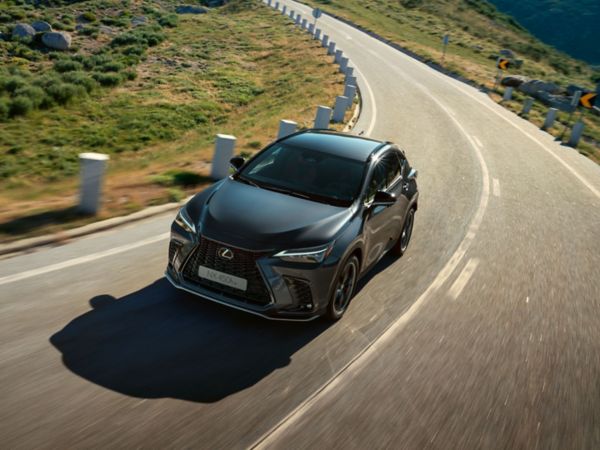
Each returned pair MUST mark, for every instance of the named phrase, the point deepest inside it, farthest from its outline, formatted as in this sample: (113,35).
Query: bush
(112,66)
(34,93)
(130,75)
(4,109)
(107,79)
(89,16)
(19,106)
(11,84)
(63,93)
(170,20)
(81,79)
(67,65)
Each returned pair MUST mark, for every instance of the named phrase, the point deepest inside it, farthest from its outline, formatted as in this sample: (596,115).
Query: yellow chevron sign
(503,63)
(587,99)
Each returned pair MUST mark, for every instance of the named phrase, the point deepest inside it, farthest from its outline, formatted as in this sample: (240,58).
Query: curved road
(484,335)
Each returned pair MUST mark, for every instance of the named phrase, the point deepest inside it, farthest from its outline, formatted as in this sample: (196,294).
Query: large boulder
(514,80)
(190,9)
(57,40)
(532,87)
(41,27)
(507,52)
(139,20)
(23,31)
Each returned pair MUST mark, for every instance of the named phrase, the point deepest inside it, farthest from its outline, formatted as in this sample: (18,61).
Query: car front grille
(242,265)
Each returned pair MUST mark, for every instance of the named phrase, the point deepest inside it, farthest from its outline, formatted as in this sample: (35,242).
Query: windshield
(306,173)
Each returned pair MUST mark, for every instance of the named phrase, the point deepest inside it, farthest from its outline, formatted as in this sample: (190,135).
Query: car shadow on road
(161,342)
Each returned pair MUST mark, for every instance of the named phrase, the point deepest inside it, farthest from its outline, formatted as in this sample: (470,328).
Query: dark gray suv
(290,232)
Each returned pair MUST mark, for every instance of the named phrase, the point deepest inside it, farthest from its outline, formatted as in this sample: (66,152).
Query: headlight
(306,255)
(184,221)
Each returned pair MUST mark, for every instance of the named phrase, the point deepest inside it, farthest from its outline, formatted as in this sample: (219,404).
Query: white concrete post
(298,19)
(576,133)
(550,118)
(508,92)
(339,111)
(351,80)
(331,48)
(304,22)
(343,64)
(323,117)
(286,127)
(325,40)
(292,14)
(338,56)
(527,106)
(276,5)
(224,146)
(311,28)
(350,93)
(92,167)
(284,10)
(349,71)
(269,2)
(318,34)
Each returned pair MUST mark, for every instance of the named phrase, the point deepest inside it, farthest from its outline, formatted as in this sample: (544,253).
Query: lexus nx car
(288,234)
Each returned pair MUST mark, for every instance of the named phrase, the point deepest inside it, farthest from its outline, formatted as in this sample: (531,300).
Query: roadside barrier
(224,146)
(527,106)
(338,56)
(576,133)
(92,168)
(323,117)
(508,92)
(318,34)
(331,48)
(339,111)
(325,40)
(286,127)
(311,28)
(349,93)
(550,118)
(344,64)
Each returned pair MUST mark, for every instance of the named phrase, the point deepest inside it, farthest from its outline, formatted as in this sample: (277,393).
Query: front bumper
(287,284)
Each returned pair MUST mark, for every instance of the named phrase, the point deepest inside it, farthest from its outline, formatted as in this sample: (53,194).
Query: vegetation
(419,25)
(151,96)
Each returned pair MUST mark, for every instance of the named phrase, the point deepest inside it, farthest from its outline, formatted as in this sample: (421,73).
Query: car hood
(258,219)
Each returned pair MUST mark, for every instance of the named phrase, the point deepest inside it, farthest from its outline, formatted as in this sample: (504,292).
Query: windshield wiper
(246,181)
(286,191)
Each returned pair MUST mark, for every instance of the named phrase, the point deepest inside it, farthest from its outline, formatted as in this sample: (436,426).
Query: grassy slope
(228,71)
(478,31)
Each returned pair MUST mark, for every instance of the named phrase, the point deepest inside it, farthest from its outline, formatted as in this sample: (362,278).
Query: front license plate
(222,278)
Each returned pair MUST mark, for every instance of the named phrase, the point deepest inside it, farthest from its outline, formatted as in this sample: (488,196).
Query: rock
(532,86)
(572,88)
(58,40)
(106,29)
(514,80)
(41,27)
(506,52)
(190,9)
(139,20)
(79,27)
(23,31)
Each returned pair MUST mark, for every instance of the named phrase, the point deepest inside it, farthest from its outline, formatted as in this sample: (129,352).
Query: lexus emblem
(225,253)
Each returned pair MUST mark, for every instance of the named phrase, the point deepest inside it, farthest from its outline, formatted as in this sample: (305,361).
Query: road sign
(587,99)
(503,63)
(317,13)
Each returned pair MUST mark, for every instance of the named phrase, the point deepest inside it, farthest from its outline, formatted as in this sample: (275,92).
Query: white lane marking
(477,141)
(496,187)
(450,111)
(462,279)
(348,37)
(82,259)
(362,78)
(360,360)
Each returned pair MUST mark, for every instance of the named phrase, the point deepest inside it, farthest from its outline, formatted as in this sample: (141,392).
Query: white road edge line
(496,187)
(477,141)
(82,259)
(462,279)
(359,361)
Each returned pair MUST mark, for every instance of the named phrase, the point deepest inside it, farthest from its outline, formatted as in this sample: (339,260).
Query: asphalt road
(484,335)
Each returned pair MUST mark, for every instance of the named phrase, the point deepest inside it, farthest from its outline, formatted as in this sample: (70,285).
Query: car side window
(377,182)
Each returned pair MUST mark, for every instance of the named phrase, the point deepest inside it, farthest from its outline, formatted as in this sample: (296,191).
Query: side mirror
(383,199)
(412,175)
(236,163)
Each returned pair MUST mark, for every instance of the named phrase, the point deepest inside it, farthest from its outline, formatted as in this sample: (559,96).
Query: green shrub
(107,79)
(63,93)
(34,93)
(19,106)
(89,16)
(4,109)
(179,178)
(67,65)
(130,75)
(81,79)
(170,20)
(112,66)
(11,84)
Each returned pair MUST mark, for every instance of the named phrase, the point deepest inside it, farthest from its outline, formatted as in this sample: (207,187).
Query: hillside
(572,26)
(478,32)
(151,88)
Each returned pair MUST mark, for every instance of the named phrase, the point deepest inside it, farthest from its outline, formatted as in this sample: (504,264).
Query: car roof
(339,144)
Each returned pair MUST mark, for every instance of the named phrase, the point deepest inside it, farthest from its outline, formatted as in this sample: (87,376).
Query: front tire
(343,291)
(403,240)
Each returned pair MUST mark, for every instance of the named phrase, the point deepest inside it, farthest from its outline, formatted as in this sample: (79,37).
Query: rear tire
(345,283)
(401,244)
